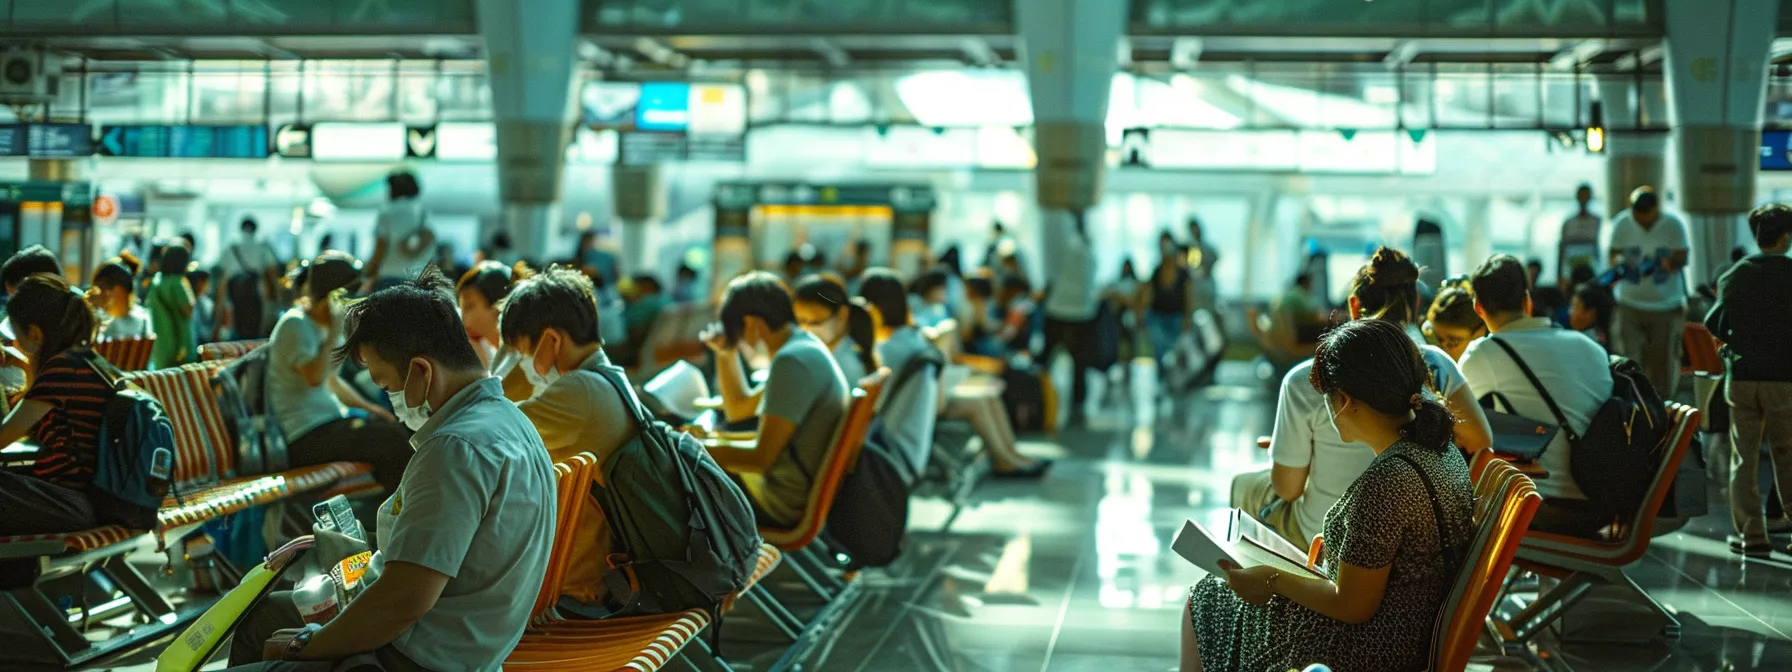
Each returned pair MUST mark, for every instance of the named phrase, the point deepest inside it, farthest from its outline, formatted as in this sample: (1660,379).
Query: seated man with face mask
(799,408)
(552,319)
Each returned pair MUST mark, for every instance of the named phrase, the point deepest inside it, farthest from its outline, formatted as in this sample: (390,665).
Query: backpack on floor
(1023,395)
(682,533)
(241,389)
(135,460)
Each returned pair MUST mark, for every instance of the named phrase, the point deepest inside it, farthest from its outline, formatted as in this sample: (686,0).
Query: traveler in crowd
(1573,371)
(1651,246)
(843,325)
(1590,312)
(170,303)
(249,278)
(685,284)
(1546,299)
(799,407)
(468,531)
(1394,542)
(61,412)
(1014,301)
(983,316)
(1002,256)
(1579,244)
(928,299)
(1124,296)
(552,319)
(1754,304)
(306,393)
(643,301)
(1169,300)
(1200,262)
(596,258)
(205,316)
(403,239)
(1295,323)
(122,316)
(1451,323)
(1071,303)
(908,414)
(1314,465)
(855,261)
(479,292)
(977,403)
(26,263)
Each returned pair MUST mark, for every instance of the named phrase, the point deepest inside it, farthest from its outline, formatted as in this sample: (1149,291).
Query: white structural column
(1070,48)
(1716,58)
(1636,126)
(529,47)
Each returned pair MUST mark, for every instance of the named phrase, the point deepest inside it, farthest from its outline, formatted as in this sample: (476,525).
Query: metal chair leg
(781,618)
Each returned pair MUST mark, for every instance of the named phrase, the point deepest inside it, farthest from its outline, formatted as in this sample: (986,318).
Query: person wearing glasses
(1451,323)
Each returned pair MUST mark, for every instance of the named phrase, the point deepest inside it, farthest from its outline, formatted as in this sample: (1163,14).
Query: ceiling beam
(1576,54)
(660,54)
(1185,52)
(1638,59)
(1402,53)
(830,53)
(979,53)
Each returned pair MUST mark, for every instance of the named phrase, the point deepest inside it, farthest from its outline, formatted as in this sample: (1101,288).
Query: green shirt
(169,304)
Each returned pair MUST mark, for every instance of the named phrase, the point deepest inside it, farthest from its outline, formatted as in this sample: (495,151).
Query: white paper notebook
(1245,543)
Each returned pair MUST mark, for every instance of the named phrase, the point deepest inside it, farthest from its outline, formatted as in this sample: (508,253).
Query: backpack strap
(1561,420)
(114,378)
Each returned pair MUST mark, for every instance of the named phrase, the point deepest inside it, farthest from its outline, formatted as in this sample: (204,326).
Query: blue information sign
(177,142)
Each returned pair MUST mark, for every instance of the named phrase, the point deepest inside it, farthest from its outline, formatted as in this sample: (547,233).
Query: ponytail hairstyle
(1388,287)
(1376,363)
(493,280)
(47,302)
(829,290)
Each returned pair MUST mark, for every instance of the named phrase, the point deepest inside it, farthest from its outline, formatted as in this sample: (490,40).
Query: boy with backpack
(1754,304)
(656,492)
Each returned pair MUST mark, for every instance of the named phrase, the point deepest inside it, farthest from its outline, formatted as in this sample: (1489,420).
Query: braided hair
(1376,363)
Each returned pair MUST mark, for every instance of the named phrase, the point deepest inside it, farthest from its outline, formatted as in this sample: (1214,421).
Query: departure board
(1776,150)
(178,142)
(46,141)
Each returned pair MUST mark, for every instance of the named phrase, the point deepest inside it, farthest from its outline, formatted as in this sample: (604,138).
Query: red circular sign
(105,208)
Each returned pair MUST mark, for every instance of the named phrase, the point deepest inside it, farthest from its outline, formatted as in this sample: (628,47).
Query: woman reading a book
(1394,542)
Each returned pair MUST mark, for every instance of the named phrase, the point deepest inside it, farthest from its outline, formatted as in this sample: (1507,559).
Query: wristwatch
(300,640)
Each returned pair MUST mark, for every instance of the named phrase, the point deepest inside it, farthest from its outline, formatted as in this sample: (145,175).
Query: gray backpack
(682,533)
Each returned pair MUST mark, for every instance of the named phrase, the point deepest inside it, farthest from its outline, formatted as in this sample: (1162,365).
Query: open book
(1244,541)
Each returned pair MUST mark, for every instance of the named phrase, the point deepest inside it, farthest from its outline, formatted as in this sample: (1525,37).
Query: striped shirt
(68,436)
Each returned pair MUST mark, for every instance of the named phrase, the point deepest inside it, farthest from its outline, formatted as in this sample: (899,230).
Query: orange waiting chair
(225,351)
(1505,502)
(128,354)
(638,644)
(1700,347)
(1584,563)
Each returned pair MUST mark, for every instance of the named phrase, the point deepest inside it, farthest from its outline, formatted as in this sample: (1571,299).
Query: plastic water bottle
(315,599)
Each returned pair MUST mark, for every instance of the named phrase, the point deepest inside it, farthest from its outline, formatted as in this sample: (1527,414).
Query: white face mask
(412,416)
(540,381)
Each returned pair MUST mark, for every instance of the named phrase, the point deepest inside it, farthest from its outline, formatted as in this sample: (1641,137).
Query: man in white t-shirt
(248,274)
(1651,247)
(1572,369)
(1070,301)
(1580,239)
(403,241)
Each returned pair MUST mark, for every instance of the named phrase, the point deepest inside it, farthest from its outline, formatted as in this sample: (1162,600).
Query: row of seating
(206,485)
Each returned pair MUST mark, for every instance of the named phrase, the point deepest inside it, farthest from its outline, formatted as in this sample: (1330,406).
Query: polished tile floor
(1075,573)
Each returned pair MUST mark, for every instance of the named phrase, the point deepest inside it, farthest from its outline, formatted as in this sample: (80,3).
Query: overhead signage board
(293,141)
(717,109)
(46,141)
(1776,150)
(157,141)
(646,149)
(359,141)
(466,141)
(664,106)
(610,105)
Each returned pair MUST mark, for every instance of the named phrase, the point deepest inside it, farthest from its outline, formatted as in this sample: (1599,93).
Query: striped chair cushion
(194,463)
(228,350)
(128,354)
(638,644)
(210,417)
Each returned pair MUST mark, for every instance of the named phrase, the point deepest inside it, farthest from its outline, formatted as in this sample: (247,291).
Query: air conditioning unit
(28,75)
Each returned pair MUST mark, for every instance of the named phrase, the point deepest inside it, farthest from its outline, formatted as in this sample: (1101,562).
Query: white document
(1243,543)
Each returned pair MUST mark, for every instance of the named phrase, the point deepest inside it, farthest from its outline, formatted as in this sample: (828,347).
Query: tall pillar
(1070,48)
(640,201)
(529,47)
(1716,57)
(1636,143)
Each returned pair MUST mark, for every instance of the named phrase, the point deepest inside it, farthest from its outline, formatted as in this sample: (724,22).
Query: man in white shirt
(248,274)
(1651,247)
(1580,239)
(1572,369)
(403,241)
(1070,301)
